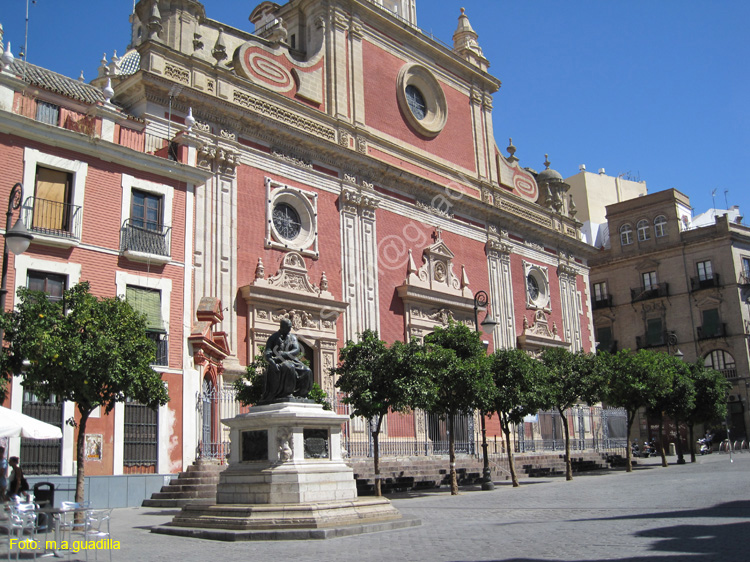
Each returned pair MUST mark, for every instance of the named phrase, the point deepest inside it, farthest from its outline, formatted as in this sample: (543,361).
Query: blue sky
(656,89)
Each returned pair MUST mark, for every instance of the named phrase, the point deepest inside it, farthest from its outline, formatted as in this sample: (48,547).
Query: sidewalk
(697,511)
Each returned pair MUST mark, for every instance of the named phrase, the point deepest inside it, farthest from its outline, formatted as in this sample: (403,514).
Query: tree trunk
(628,452)
(566,431)
(452,456)
(511,463)
(661,442)
(680,455)
(691,436)
(376,456)
(81,455)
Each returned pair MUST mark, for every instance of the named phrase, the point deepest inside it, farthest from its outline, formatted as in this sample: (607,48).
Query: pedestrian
(3,475)
(18,484)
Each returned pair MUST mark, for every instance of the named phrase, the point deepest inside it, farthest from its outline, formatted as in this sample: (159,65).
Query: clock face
(287,221)
(532,286)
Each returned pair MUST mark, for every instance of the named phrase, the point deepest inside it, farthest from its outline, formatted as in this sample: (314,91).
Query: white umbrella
(16,424)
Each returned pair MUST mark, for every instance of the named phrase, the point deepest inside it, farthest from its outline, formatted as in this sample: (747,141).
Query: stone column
(501,293)
(569,305)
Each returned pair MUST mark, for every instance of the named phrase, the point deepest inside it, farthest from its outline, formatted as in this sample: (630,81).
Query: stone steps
(196,485)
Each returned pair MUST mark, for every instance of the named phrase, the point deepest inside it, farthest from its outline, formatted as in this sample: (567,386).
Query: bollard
(672,450)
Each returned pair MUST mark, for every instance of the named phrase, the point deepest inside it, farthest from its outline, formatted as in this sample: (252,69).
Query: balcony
(162,348)
(660,340)
(744,278)
(715,331)
(604,302)
(729,373)
(696,283)
(145,244)
(53,222)
(646,293)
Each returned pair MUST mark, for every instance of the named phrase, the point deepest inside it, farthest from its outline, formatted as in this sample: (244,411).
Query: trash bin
(672,450)
(44,493)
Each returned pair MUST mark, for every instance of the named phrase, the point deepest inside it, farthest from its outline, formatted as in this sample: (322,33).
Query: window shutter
(148,302)
(711,322)
(654,334)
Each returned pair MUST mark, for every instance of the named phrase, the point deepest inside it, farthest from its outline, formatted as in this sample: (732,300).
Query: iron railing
(657,340)
(162,347)
(645,293)
(42,456)
(698,283)
(603,302)
(140,436)
(53,218)
(136,238)
(715,331)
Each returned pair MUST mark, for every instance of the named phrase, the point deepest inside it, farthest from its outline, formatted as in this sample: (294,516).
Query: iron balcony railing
(145,240)
(603,302)
(162,348)
(744,278)
(652,292)
(697,283)
(715,331)
(53,218)
(729,373)
(643,342)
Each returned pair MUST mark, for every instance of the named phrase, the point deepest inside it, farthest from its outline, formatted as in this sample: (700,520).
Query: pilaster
(501,291)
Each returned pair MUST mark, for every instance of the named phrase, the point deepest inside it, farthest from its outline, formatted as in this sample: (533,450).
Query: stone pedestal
(286,479)
(287,453)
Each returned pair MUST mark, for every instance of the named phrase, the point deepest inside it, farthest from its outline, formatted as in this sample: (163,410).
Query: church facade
(343,173)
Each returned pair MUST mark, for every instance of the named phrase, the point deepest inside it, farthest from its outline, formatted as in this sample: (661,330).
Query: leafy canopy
(518,391)
(94,352)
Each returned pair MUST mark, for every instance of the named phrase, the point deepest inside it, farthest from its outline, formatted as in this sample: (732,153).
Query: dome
(548,174)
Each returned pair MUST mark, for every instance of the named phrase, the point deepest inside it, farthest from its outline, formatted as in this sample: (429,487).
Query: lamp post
(17,240)
(480,301)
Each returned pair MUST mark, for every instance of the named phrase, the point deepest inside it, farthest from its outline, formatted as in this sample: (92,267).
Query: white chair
(96,528)
(67,521)
(21,523)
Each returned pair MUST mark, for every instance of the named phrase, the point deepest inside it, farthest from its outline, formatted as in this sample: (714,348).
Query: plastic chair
(22,521)
(67,517)
(96,528)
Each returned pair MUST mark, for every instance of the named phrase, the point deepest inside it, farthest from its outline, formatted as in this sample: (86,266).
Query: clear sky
(653,89)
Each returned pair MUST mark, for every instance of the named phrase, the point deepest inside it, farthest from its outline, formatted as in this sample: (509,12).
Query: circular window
(537,288)
(533,287)
(421,100)
(292,220)
(286,220)
(415,99)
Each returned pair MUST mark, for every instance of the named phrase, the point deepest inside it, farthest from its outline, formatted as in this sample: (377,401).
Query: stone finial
(511,151)
(438,235)
(190,120)
(411,266)
(546,161)
(81,78)
(219,51)
(154,22)
(260,270)
(108,91)
(7,58)
(323,282)
(464,278)
(114,64)
(103,66)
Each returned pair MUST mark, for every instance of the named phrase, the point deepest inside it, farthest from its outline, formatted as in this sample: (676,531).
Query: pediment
(707,301)
(647,265)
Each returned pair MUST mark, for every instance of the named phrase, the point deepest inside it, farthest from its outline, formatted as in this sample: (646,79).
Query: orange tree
(93,352)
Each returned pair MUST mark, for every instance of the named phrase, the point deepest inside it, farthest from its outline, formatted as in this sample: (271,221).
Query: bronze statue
(286,376)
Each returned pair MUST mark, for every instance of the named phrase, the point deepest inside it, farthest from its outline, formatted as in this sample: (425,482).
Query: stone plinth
(287,453)
(286,479)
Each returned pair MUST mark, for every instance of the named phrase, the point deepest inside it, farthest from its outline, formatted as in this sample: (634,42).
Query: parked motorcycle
(705,444)
(649,449)
(635,450)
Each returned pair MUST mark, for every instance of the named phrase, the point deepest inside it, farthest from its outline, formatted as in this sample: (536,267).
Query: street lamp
(17,240)
(480,301)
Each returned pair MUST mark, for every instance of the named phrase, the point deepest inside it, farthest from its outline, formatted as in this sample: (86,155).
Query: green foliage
(250,385)
(319,396)
(94,352)
(570,378)
(377,378)
(517,378)
(634,379)
(710,402)
(459,372)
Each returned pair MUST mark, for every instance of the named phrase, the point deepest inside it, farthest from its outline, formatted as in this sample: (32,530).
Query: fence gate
(213,405)
(42,456)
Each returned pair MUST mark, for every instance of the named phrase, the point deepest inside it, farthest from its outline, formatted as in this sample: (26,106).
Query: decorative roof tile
(57,83)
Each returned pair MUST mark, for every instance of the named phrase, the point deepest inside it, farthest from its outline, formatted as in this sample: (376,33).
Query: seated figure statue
(286,376)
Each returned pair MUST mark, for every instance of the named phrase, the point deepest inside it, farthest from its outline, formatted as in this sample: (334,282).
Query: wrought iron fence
(53,218)
(42,456)
(136,238)
(419,433)
(141,430)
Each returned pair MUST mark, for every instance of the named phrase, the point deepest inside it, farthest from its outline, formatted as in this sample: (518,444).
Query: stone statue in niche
(287,377)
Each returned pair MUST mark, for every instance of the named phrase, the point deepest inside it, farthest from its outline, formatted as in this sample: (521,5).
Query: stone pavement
(696,512)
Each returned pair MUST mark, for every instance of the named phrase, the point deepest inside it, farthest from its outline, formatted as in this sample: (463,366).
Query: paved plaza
(691,512)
